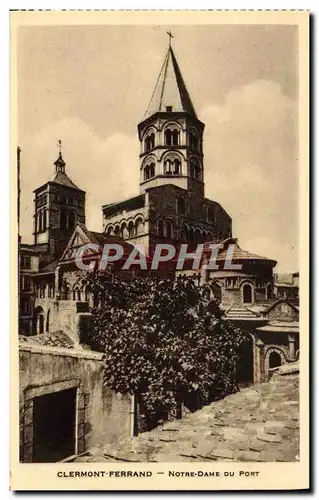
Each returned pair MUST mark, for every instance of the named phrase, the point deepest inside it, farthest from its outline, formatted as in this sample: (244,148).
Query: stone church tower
(58,205)
(171,206)
(171,135)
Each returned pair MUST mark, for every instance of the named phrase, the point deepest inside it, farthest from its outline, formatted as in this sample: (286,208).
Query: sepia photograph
(161,198)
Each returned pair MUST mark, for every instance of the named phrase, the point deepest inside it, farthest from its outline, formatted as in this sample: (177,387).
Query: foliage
(163,339)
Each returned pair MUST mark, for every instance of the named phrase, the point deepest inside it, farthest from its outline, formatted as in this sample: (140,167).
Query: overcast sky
(90,86)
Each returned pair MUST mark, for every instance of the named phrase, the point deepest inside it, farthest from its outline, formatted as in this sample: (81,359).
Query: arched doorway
(38,320)
(247,294)
(274,360)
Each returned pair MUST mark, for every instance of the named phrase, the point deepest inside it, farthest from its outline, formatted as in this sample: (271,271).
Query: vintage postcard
(160,243)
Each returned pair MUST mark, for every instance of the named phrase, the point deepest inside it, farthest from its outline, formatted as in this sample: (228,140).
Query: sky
(90,86)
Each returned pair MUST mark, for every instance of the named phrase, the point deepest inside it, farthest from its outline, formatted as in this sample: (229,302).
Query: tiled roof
(170,89)
(49,268)
(62,178)
(280,326)
(56,339)
(240,255)
(104,239)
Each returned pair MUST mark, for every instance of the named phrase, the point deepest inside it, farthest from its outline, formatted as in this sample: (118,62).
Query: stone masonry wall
(102,415)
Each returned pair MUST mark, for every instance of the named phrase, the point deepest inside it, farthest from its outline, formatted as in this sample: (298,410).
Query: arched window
(210,215)
(168,137)
(172,166)
(181,206)
(167,167)
(184,233)
(193,140)
(124,230)
(169,229)
(44,219)
(39,320)
(51,291)
(149,171)
(39,222)
(175,135)
(177,166)
(150,142)
(146,173)
(247,294)
(195,171)
(117,230)
(268,291)
(172,137)
(139,226)
(131,229)
(63,218)
(109,231)
(274,359)
(161,228)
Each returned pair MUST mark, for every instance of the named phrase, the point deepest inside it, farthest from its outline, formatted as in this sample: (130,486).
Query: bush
(164,341)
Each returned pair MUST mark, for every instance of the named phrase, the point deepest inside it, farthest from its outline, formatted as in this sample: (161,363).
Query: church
(171,207)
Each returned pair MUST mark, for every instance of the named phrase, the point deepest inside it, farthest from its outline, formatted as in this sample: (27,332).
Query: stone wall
(63,315)
(101,415)
(163,203)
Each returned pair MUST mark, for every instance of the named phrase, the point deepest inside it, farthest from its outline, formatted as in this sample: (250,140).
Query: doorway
(274,360)
(247,294)
(54,426)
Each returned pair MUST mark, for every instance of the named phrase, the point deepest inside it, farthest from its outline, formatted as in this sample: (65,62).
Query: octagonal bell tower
(171,135)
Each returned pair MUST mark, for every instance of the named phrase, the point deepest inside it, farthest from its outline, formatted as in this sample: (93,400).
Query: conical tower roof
(170,90)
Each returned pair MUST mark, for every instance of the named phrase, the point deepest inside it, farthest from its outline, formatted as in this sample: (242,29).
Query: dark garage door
(54,426)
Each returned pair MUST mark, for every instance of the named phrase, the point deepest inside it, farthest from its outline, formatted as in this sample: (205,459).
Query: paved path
(260,423)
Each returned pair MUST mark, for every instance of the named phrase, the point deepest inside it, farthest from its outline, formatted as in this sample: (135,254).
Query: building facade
(28,266)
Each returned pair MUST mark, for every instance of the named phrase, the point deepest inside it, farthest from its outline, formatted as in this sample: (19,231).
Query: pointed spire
(60,163)
(170,92)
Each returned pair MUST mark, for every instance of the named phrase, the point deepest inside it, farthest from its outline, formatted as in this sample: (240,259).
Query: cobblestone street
(259,423)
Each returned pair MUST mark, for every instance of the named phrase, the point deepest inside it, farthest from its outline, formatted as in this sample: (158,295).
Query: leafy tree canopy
(164,340)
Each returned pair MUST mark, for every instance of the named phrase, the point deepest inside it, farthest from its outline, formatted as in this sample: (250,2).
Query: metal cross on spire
(170,37)
(60,146)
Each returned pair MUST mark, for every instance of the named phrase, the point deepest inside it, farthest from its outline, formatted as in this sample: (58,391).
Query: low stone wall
(101,415)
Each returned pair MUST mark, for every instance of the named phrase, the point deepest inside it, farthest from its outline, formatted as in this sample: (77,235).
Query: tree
(164,340)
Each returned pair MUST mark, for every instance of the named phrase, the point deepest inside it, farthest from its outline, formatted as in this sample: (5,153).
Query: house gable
(282,310)
(76,241)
